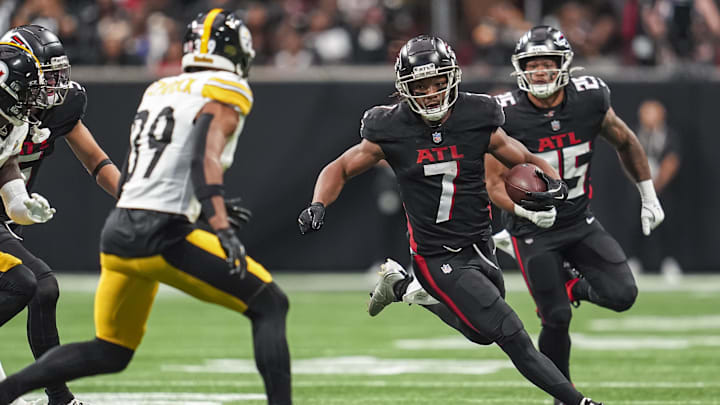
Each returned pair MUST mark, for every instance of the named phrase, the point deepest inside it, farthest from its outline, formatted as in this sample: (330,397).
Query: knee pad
(558,318)
(271,301)
(109,357)
(624,297)
(20,281)
(510,326)
(47,292)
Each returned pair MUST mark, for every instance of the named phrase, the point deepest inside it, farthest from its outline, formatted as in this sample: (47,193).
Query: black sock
(42,330)
(66,363)
(268,315)
(537,368)
(400,287)
(554,342)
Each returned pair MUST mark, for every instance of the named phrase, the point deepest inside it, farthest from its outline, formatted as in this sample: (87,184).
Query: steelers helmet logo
(4,72)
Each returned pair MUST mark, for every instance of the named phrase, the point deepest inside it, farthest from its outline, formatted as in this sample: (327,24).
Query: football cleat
(383,295)
(568,288)
(588,401)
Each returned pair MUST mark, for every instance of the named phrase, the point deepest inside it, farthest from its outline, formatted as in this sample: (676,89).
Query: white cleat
(383,295)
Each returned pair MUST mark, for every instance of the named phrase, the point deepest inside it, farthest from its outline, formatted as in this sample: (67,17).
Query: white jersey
(11,144)
(161,146)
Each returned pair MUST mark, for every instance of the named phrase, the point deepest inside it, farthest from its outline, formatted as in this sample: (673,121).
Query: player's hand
(651,215)
(543,219)
(238,215)
(503,242)
(38,208)
(311,218)
(557,190)
(234,250)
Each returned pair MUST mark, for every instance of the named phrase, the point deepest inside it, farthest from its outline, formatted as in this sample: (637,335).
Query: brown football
(522,179)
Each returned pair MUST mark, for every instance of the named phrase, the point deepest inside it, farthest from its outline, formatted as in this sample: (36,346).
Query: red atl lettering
(557,141)
(454,153)
(438,154)
(425,154)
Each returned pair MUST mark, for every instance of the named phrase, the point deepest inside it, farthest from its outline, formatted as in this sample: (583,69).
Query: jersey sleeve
(63,118)
(229,90)
(373,122)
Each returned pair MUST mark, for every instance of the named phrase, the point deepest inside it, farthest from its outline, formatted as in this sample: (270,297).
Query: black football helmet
(548,42)
(422,57)
(218,39)
(21,83)
(48,49)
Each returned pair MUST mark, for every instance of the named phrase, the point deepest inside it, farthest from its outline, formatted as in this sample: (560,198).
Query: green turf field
(665,350)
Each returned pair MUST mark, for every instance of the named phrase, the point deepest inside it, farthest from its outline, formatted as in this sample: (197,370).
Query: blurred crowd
(295,34)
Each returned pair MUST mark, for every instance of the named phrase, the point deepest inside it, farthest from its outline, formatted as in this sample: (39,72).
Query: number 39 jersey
(157,175)
(564,136)
(441,170)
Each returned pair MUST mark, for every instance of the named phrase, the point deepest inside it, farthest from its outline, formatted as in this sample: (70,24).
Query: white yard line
(296,281)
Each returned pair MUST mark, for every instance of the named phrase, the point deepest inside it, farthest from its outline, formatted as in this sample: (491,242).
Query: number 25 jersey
(161,144)
(565,137)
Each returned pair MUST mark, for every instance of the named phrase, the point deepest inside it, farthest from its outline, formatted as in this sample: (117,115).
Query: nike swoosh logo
(590,220)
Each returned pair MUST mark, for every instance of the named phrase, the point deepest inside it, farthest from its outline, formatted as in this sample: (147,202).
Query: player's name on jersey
(162,87)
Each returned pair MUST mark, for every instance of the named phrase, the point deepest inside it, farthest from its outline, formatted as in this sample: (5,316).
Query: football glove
(238,215)
(557,191)
(234,250)
(651,212)
(311,218)
(543,219)
(503,241)
(38,208)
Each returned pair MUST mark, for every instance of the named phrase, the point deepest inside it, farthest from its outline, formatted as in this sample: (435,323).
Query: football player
(21,89)
(559,117)
(182,139)
(57,116)
(435,140)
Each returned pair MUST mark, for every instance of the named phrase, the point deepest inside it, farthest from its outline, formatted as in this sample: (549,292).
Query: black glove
(237,214)
(556,193)
(234,250)
(311,218)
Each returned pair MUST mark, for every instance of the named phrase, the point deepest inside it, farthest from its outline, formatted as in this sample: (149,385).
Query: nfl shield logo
(446,268)
(437,137)
(555,125)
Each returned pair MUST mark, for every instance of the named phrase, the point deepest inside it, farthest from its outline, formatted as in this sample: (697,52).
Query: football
(522,179)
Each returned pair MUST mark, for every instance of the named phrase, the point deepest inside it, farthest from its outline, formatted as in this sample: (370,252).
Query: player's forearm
(329,184)
(108,179)
(634,160)
(498,195)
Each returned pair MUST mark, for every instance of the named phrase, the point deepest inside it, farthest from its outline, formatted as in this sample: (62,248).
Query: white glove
(22,208)
(543,219)
(39,209)
(503,242)
(651,213)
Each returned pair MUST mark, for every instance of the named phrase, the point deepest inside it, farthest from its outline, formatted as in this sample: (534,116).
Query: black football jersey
(60,120)
(564,136)
(440,170)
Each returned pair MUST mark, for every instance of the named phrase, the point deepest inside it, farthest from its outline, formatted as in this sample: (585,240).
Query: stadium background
(321,63)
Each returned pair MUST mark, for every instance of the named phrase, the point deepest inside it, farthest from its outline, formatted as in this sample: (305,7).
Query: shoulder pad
(593,87)
(487,109)
(229,89)
(376,121)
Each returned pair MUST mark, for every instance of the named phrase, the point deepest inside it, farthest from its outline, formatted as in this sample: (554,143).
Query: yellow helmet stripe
(207,28)
(26,50)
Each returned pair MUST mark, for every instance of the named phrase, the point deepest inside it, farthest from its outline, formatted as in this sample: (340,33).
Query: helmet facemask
(561,73)
(449,93)
(57,81)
